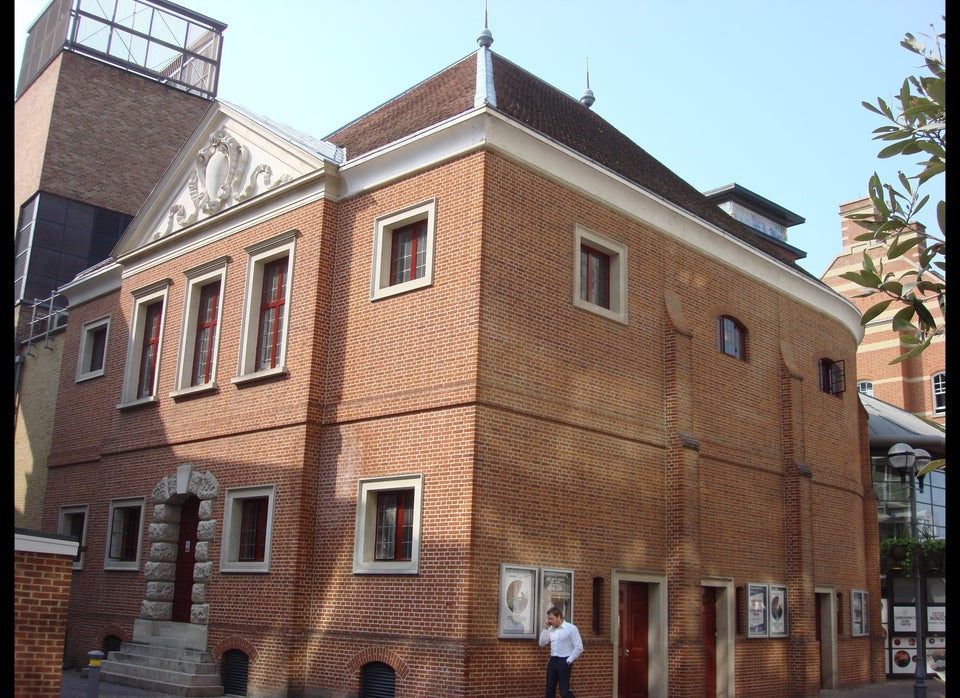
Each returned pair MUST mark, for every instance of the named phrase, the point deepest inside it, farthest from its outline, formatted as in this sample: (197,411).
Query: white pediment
(231,158)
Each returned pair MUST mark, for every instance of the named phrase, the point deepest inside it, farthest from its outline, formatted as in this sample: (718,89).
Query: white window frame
(143,298)
(64,529)
(365,532)
(383,248)
(232,516)
(937,409)
(618,273)
(865,387)
(197,278)
(110,563)
(87,333)
(258,256)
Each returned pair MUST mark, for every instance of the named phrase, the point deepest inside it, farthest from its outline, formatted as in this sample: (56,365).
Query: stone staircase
(164,662)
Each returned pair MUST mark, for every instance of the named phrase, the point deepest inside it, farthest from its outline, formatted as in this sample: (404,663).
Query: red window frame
(272,300)
(153,314)
(253,529)
(408,253)
(595,276)
(206,332)
(394,529)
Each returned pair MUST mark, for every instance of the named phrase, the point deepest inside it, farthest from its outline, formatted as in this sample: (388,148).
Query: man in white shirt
(565,646)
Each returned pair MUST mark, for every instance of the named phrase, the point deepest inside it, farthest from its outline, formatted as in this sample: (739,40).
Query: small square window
(387,536)
(266,313)
(832,376)
(93,349)
(247,529)
(731,337)
(600,275)
(146,342)
(865,387)
(403,251)
(73,522)
(123,538)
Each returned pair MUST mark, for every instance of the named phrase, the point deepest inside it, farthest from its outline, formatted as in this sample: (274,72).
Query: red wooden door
(708,632)
(186,557)
(634,623)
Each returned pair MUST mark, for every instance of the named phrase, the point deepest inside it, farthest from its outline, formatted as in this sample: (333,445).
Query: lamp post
(908,461)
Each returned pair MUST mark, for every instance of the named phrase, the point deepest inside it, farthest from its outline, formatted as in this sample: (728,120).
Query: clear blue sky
(763,93)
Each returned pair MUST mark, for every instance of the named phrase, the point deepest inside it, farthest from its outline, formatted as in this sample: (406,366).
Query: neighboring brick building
(93,132)
(361,398)
(917,385)
(42,570)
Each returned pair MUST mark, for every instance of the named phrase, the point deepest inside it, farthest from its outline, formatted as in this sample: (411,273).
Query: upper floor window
(93,349)
(731,337)
(600,275)
(123,538)
(73,522)
(832,376)
(247,529)
(200,332)
(146,342)
(865,387)
(939,382)
(387,535)
(403,251)
(267,306)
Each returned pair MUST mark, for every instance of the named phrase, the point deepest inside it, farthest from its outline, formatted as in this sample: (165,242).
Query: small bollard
(93,677)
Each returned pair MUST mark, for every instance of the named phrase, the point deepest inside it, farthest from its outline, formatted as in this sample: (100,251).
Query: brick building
(367,405)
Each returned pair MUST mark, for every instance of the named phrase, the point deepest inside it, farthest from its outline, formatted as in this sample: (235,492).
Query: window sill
(193,390)
(152,400)
(259,375)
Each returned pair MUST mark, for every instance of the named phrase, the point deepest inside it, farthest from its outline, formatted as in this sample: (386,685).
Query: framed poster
(778,611)
(757,610)
(556,589)
(859,613)
(518,601)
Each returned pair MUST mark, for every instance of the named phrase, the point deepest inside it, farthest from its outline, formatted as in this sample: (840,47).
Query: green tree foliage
(917,125)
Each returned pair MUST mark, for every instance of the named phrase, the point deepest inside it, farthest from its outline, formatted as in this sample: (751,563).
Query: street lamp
(907,461)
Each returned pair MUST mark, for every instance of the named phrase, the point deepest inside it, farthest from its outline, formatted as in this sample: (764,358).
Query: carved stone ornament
(217,176)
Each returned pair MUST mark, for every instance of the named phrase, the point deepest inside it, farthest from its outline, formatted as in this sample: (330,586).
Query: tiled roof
(526,98)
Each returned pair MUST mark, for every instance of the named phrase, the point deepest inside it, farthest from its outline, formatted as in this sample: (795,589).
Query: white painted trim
(28,543)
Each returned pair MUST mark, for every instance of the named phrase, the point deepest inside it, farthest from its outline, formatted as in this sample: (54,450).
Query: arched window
(377,680)
(865,387)
(939,382)
(731,337)
(233,672)
(833,378)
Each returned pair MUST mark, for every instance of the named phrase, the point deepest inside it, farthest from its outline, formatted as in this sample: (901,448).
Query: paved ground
(74,685)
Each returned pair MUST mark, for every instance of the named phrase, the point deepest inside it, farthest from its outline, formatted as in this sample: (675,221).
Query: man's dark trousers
(558,673)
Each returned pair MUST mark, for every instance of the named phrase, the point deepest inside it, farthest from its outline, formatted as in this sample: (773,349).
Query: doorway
(826,618)
(638,609)
(186,558)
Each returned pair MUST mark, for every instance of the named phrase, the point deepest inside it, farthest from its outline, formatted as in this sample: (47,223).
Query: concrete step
(161,686)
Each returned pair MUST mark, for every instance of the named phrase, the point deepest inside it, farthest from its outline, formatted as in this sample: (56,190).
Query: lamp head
(902,457)
(921,458)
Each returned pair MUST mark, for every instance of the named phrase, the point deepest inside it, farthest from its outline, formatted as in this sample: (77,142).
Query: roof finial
(587,98)
(486,37)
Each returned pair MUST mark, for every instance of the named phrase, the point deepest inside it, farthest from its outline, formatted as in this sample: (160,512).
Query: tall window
(150,350)
(832,376)
(394,525)
(403,251)
(939,381)
(273,296)
(387,535)
(247,529)
(594,276)
(600,275)
(267,307)
(731,337)
(200,329)
(205,334)
(408,258)
(146,342)
(123,538)
(93,349)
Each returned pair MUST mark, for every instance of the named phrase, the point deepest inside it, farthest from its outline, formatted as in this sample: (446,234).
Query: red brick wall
(41,595)
(540,430)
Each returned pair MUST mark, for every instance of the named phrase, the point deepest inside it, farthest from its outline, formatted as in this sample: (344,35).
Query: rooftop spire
(587,97)
(486,36)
